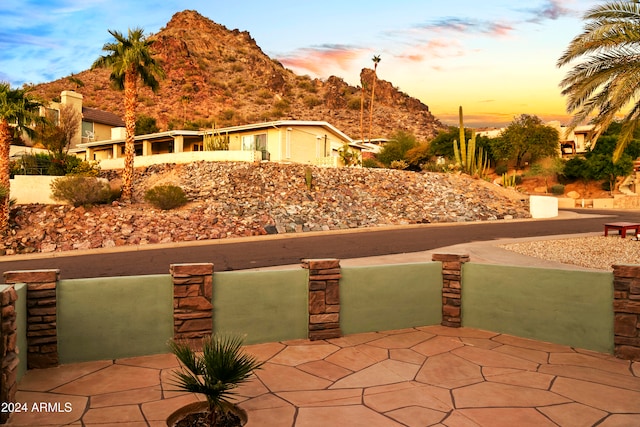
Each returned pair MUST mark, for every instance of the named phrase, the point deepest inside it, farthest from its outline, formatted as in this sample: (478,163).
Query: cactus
(215,141)
(465,155)
(308,178)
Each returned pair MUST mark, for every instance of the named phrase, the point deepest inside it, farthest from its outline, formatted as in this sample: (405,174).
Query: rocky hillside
(242,199)
(221,76)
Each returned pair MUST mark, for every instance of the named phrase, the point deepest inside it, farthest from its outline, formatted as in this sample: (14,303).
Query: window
(254,142)
(87,131)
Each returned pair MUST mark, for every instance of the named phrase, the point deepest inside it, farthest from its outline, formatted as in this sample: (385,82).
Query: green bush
(501,169)
(371,163)
(312,101)
(557,189)
(166,197)
(81,190)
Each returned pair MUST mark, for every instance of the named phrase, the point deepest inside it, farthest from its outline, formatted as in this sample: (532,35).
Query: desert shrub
(434,167)
(81,190)
(311,101)
(371,163)
(557,189)
(501,169)
(166,197)
(399,164)
(353,103)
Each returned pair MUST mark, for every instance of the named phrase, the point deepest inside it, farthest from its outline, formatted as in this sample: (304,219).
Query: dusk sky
(496,58)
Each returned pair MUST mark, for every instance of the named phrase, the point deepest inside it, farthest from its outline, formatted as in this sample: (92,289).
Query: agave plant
(215,372)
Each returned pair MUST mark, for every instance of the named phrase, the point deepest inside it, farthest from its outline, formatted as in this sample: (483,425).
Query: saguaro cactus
(465,155)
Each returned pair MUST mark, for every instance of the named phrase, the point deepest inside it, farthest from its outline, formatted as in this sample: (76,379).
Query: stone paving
(425,376)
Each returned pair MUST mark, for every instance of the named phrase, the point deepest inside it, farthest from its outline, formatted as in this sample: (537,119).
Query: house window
(88,133)
(254,142)
(197,147)
(53,115)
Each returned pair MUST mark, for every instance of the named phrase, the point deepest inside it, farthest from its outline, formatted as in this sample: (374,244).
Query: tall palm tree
(376,60)
(130,61)
(18,111)
(606,78)
(362,94)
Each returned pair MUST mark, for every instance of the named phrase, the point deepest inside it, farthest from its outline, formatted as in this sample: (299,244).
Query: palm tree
(216,372)
(130,60)
(376,60)
(606,79)
(18,111)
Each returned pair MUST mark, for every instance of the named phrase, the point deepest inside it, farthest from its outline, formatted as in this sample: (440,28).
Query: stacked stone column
(192,301)
(324,298)
(42,332)
(626,307)
(8,349)
(451,288)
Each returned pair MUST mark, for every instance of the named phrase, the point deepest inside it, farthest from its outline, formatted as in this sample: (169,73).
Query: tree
(130,61)
(57,133)
(376,59)
(605,79)
(396,149)
(525,136)
(17,111)
(146,125)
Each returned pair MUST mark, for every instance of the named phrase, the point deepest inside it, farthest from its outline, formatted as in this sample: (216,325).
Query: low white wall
(27,189)
(185,157)
(543,206)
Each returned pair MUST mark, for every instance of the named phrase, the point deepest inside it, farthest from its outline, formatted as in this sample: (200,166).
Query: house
(310,142)
(578,141)
(94,124)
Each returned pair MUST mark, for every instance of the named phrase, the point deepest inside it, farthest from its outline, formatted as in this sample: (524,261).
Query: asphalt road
(264,251)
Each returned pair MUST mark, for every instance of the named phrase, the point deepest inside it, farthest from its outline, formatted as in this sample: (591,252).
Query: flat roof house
(310,142)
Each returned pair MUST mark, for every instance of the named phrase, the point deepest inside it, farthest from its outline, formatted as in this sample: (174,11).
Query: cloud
(434,48)
(550,10)
(318,58)
(475,26)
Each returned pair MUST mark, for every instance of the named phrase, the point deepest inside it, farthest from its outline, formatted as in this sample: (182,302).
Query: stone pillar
(324,298)
(42,332)
(626,308)
(192,296)
(8,349)
(451,288)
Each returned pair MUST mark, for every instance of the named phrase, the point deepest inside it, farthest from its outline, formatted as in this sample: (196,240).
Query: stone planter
(197,407)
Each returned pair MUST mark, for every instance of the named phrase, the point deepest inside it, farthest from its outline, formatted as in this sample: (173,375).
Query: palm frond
(216,371)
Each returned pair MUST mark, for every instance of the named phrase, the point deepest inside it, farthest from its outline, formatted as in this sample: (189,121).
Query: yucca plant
(216,371)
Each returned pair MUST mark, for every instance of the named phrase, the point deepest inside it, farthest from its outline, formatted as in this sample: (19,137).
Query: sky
(495,58)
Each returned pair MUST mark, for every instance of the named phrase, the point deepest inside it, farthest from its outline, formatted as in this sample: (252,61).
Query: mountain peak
(221,76)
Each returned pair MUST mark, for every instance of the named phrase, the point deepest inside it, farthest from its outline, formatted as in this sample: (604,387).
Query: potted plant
(215,371)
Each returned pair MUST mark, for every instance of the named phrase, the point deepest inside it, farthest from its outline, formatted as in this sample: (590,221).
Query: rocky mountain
(221,76)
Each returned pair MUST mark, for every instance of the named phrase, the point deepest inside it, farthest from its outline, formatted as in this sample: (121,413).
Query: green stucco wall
(560,306)
(381,298)
(263,306)
(108,318)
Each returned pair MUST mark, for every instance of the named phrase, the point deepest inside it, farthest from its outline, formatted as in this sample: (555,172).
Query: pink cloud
(317,59)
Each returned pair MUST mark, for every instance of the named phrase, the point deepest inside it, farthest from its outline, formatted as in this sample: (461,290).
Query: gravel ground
(597,252)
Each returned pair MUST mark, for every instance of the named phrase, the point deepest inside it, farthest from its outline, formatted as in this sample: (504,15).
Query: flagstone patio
(414,377)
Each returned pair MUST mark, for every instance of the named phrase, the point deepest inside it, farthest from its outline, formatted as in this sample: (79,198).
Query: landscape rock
(242,199)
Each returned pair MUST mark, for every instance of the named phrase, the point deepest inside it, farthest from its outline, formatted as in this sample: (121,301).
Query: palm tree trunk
(373,89)
(362,112)
(130,101)
(5,142)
